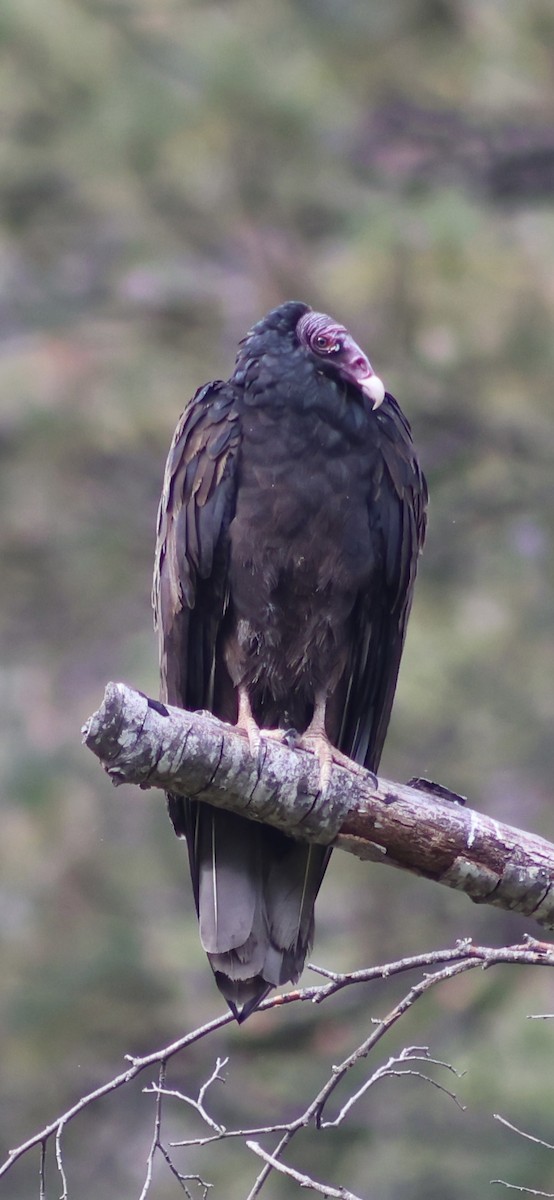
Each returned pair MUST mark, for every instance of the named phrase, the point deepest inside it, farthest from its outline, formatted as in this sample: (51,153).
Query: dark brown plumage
(289,530)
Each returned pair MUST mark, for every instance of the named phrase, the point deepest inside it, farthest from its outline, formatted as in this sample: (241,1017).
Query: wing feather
(195,511)
(397,515)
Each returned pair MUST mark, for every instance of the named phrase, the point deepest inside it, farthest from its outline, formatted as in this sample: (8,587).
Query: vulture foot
(246,723)
(317,742)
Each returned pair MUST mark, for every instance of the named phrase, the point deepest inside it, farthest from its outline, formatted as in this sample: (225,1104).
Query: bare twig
(529,953)
(386,1071)
(184,1179)
(157,1128)
(42,1172)
(383,1026)
(198,1104)
(521,1133)
(138,1065)
(305,1181)
(59,1158)
(314,1111)
(530,1138)
(527,1191)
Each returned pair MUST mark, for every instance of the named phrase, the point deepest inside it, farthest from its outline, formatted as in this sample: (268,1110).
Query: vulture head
(328,344)
(332,343)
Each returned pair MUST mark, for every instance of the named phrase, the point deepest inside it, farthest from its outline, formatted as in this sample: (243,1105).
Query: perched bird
(289,529)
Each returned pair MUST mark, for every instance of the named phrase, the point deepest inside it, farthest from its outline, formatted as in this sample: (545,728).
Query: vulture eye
(325,343)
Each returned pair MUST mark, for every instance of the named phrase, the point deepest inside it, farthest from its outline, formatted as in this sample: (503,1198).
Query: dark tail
(255,890)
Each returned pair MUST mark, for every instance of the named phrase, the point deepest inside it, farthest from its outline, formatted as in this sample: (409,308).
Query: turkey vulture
(289,529)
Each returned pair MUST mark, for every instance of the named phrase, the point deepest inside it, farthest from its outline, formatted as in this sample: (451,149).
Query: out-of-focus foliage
(170,170)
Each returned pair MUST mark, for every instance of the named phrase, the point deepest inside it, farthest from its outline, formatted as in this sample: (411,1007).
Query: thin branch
(314,1110)
(42,1172)
(271,1163)
(157,1130)
(414,994)
(387,1071)
(279,1127)
(184,1179)
(198,1104)
(304,1180)
(538,1142)
(529,953)
(527,1191)
(59,1159)
(138,1065)
(521,1133)
(143,742)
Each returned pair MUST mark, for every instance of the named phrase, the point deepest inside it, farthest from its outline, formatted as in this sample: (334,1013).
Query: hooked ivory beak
(358,369)
(374,389)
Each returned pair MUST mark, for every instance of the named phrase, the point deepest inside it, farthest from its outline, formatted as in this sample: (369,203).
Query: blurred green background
(169,171)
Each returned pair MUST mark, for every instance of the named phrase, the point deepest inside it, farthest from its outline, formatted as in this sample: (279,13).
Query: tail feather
(255,890)
(242,997)
(228,869)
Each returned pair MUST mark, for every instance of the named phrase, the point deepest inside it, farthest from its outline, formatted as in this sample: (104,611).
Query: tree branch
(140,741)
(465,956)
